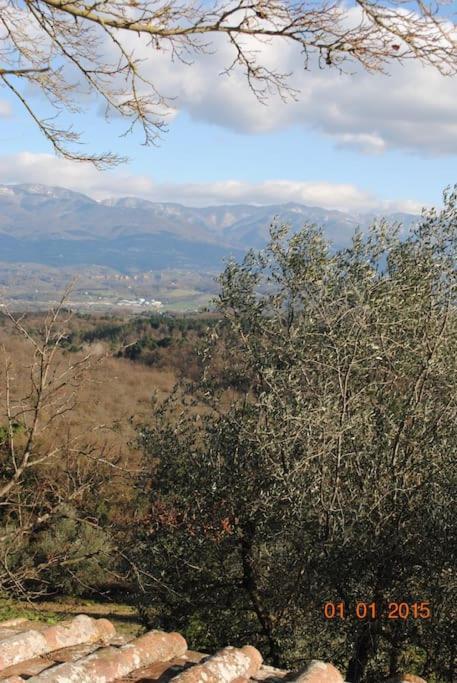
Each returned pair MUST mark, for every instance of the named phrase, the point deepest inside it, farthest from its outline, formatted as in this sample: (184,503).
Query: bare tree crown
(58,46)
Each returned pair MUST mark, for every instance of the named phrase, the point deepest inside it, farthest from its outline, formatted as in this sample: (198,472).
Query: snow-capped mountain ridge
(54,225)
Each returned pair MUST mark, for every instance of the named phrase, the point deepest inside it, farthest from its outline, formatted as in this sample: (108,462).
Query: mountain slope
(58,227)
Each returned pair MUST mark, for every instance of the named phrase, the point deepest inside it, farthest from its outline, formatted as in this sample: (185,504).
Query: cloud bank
(412,108)
(26,167)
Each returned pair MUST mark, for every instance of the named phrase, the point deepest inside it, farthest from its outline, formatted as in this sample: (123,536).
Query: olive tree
(315,461)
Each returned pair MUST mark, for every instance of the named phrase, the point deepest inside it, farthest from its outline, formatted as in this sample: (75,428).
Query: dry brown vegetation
(116,391)
(71,404)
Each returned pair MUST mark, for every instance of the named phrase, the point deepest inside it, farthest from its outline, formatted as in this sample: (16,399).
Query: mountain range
(53,226)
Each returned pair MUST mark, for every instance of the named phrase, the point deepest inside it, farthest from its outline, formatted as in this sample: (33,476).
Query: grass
(122,616)
(185,305)
(10,609)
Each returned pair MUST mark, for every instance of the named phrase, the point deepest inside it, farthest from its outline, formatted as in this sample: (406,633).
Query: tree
(62,46)
(50,538)
(316,461)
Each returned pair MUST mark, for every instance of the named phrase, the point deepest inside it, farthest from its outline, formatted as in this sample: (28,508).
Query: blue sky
(361,142)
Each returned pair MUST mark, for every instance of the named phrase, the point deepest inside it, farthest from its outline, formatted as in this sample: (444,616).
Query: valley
(34,287)
(130,254)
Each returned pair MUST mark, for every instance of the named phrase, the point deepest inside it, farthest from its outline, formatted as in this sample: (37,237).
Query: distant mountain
(58,227)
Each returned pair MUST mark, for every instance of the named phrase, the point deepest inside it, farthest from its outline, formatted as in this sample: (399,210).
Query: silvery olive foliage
(316,459)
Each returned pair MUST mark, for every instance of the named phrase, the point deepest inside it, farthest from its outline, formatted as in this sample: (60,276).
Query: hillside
(55,226)
(49,235)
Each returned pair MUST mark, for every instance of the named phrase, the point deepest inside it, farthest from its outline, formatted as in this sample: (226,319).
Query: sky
(355,142)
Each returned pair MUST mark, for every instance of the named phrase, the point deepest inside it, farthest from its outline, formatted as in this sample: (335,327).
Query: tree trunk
(249,583)
(365,647)
(396,651)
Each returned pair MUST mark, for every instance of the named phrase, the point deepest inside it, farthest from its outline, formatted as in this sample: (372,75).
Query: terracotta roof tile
(86,650)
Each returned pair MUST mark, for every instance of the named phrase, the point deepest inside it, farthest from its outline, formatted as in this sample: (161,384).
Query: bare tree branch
(61,46)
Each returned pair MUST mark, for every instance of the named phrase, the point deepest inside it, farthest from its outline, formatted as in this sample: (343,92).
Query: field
(34,287)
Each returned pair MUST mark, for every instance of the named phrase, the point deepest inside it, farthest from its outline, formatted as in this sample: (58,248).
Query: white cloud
(5,109)
(26,167)
(412,108)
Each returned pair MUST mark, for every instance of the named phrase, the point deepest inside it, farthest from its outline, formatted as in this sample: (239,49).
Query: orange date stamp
(372,610)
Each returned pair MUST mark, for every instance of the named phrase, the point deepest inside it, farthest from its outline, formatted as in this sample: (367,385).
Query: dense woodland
(232,472)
